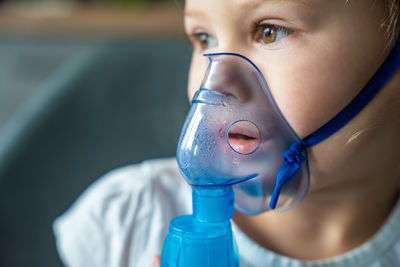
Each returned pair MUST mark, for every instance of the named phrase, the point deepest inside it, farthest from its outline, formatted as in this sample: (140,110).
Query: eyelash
(258,30)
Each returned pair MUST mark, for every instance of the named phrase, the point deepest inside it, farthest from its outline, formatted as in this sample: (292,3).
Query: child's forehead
(271,8)
(255,3)
(312,12)
(249,4)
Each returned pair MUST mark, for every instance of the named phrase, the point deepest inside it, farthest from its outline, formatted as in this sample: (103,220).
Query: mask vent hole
(243,137)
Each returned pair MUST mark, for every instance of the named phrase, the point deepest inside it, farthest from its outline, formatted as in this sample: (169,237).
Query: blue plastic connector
(205,238)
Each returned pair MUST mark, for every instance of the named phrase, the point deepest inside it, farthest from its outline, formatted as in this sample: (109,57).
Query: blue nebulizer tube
(204,238)
(236,142)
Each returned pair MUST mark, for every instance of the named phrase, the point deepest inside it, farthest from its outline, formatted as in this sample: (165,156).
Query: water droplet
(220,132)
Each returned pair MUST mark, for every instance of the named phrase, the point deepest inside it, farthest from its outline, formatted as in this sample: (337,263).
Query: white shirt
(122,219)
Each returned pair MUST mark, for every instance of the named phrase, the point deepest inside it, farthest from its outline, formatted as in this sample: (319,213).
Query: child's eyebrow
(193,13)
(246,4)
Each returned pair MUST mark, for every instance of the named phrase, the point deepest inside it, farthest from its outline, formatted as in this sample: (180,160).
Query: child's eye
(203,40)
(269,33)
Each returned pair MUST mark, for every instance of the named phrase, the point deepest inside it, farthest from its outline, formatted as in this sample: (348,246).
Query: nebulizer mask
(237,150)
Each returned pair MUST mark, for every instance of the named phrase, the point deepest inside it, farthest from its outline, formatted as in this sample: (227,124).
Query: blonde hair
(391,22)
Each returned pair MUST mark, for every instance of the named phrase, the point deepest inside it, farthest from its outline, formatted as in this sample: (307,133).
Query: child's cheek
(301,93)
(313,86)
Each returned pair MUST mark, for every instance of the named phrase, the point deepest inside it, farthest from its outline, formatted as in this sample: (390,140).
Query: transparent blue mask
(236,135)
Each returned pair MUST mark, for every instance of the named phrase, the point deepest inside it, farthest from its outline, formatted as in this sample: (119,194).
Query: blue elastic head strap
(293,157)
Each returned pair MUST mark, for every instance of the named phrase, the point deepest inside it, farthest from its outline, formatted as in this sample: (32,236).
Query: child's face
(316,55)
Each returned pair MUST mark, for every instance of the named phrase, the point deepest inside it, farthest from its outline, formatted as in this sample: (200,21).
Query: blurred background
(85,87)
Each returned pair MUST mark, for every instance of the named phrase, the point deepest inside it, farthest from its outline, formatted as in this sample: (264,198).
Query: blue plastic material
(236,135)
(205,238)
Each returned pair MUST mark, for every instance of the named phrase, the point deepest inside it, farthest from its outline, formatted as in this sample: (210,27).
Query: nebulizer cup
(230,152)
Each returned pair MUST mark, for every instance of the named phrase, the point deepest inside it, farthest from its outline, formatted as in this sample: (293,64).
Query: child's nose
(230,79)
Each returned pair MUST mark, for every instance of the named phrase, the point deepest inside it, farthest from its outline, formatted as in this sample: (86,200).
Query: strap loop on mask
(292,161)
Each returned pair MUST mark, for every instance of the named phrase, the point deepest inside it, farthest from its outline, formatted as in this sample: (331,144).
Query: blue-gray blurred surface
(71,110)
